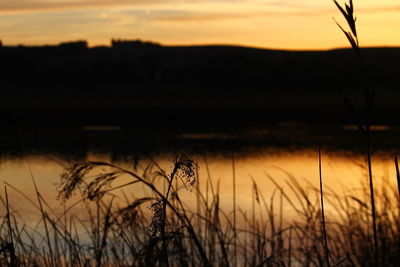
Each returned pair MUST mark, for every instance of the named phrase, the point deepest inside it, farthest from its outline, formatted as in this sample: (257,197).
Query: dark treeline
(147,82)
(142,68)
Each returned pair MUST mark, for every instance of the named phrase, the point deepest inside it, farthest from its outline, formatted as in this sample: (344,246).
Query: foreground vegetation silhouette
(160,229)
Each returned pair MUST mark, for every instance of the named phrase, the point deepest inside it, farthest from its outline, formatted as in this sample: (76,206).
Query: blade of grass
(10,232)
(234,211)
(397,174)
(321,189)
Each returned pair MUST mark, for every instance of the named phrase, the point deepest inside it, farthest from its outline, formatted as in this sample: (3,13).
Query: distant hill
(142,76)
(140,68)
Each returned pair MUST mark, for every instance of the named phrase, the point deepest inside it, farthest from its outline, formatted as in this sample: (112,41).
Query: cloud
(287,7)
(379,9)
(207,16)
(32,5)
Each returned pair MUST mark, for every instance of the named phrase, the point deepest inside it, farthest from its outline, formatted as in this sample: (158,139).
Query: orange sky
(287,24)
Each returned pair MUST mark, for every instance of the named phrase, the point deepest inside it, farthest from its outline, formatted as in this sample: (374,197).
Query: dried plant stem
(323,208)
(11,246)
(164,216)
(369,95)
(234,211)
(397,174)
(372,194)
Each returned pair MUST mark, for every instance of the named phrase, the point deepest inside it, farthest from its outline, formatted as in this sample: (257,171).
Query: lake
(258,191)
(282,151)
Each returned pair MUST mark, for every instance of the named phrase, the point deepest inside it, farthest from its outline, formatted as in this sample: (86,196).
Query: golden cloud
(31,5)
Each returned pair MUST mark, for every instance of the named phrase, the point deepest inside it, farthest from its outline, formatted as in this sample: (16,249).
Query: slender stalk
(290,248)
(369,95)
(321,190)
(234,212)
(164,214)
(208,211)
(11,247)
(254,243)
(43,213)
(372,194)
(397,174)
(44,217)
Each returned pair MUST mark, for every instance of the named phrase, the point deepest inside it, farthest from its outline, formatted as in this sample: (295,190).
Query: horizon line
(149,42)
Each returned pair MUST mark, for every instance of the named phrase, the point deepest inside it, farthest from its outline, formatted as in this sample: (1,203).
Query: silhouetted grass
(321,189)
(149,229)
(369,99)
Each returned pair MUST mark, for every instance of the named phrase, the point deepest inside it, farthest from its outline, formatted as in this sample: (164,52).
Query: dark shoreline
(153,95)
(122,142)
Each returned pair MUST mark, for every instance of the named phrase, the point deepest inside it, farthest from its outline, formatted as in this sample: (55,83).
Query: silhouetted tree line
(146,68)
(120,43)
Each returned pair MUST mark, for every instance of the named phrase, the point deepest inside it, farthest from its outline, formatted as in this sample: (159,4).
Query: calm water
(342,173)
(283,152)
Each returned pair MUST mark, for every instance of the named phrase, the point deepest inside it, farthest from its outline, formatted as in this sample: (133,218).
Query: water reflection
(123,141)
(341,173)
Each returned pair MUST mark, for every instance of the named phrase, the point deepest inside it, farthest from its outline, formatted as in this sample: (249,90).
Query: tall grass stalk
(44,218)
(397,174)
(234,211)
(369,95)
(321,190)
(10,231)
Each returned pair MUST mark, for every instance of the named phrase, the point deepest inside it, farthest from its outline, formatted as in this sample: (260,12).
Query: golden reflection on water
(341,174)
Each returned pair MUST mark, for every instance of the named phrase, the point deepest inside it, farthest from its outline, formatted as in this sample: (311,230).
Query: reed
(396,163)
(369,98)
(234,211)
(10,245)
(125,231)
(321,189)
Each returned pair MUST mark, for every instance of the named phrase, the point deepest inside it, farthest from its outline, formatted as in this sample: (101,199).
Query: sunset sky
(285,24)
